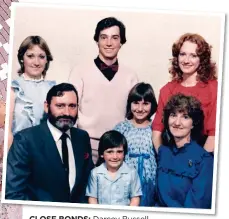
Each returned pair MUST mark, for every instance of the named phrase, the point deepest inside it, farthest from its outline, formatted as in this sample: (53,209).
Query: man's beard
(63,123)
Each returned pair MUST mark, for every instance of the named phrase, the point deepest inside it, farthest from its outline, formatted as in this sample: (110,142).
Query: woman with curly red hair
(193,73)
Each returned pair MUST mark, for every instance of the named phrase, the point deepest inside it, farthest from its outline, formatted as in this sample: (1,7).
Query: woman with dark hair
(185,169)
(141,105)
(193,73)
(28,91)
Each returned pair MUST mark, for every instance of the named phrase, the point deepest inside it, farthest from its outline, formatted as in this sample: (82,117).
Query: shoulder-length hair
(28,43)
(206,70)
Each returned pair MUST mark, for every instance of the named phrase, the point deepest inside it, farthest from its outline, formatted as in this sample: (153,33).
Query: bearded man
(51,161)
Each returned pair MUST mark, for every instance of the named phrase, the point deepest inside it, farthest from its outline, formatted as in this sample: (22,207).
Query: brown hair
(206,70)
(111,139)
(28,43)
(184,104)
(141,91)
(110,22)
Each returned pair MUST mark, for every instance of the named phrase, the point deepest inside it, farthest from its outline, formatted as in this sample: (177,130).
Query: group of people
(103,138)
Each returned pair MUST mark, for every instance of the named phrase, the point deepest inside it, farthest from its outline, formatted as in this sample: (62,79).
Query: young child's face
(140,109)
(114,157)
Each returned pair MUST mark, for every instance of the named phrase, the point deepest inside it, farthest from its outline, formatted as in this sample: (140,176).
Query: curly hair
(184,104)
(28,43)
(110,22)
(206,70)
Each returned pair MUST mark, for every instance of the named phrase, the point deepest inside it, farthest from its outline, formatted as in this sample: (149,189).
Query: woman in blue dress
(185,169)
(141,105)
(28,91)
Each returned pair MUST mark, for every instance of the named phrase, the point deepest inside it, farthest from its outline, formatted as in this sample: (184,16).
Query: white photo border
(154,209)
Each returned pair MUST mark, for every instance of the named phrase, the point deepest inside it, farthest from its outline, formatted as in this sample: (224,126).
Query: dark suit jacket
(35,170)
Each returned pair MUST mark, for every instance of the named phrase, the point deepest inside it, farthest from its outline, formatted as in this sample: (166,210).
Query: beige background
(150,35)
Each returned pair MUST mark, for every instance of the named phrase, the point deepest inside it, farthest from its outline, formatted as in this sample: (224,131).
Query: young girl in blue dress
(112,182)
(141,105)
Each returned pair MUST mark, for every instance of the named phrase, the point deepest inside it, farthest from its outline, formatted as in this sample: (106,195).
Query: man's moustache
(64,117)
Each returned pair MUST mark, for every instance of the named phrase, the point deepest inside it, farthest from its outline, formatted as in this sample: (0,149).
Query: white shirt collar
(56,133)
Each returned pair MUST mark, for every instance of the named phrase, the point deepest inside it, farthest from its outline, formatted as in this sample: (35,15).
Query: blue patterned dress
(141,156)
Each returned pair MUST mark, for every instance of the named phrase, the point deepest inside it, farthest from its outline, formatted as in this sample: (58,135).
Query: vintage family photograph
(113,108)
